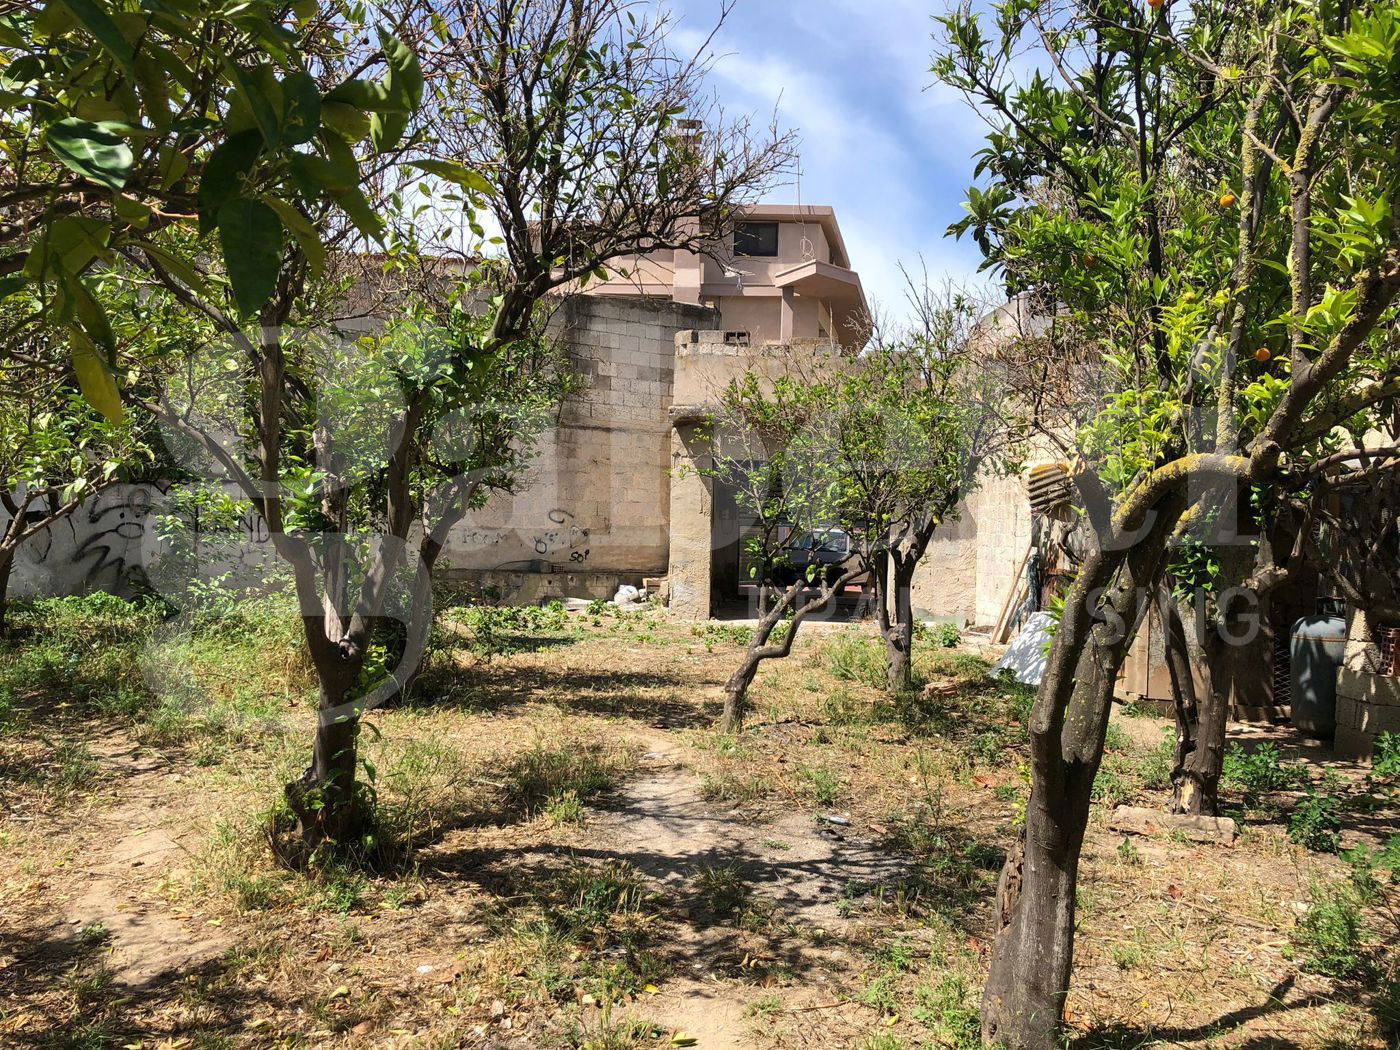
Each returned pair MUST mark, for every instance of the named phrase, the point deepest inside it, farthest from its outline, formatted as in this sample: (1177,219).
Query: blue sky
(889,151)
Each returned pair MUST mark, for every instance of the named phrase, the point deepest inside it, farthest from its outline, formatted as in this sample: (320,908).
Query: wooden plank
(1002,627)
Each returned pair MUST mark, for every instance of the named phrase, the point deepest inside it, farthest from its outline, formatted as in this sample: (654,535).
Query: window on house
(756,239)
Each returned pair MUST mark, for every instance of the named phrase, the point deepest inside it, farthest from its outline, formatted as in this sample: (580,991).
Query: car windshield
(830,542)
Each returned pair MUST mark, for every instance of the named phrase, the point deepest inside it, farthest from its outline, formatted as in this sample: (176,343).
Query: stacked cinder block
(597,498)
(1368,703)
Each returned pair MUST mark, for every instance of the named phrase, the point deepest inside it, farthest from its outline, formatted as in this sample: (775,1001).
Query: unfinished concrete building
(607,501)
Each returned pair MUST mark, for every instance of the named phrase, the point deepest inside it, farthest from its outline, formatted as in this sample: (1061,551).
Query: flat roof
(817,214)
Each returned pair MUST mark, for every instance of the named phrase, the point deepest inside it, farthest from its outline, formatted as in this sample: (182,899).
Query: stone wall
(1368,704)
(972,563)
(597,499)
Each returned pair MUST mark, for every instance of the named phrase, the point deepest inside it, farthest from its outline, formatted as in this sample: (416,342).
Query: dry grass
(509,919)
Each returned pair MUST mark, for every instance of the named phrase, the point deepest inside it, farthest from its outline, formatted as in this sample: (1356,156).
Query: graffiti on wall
(111,542)
(98,547)
(566,537)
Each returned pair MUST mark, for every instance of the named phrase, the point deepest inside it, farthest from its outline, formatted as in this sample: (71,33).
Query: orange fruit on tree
(1154,4)
(1228,201)
(1262,354)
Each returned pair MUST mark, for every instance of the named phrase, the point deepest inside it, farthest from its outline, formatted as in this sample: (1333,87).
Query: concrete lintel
(689,415)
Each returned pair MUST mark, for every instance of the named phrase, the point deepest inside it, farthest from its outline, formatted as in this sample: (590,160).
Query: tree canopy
(1200,201)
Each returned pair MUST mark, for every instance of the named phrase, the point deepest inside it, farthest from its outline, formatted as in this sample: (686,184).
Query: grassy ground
(580,860)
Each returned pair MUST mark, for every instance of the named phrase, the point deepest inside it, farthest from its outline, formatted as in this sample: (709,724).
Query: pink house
(782,276)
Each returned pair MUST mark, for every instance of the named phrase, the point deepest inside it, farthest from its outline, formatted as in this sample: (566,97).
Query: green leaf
(251,236)
(302,118)
(132,210)
(262,93)
(405,74)
(344,119)
(306,236)
(385,130)
(176,266)
(94,151)
(155,89)
(366,95)
(94,379)
(455,172)
(67,246)
(404,83)
(357,208)
(91,314)
(100,24)
(173,165)
(235,157)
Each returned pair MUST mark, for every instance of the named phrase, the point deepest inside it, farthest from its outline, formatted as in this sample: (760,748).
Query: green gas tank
(1318,647)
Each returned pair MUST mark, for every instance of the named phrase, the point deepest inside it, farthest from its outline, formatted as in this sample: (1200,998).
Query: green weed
(821,784)
(945,635)
(854,658)
(729,787)
(1257,773)
(949,1010)
(1329,938)
(722,888)
(1315,823)
(544,774)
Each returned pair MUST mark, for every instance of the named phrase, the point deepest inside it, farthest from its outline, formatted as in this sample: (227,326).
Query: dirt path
(134,852)
(804,867)
(661,823)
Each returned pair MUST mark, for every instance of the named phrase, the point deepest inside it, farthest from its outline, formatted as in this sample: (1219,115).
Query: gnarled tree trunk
(7,564)
(1033,952)
(1200,711)
(736,690)
(329,810)
(897,627)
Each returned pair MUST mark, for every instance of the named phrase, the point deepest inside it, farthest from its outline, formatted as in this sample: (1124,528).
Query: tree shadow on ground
(655,698)
(68,997)
(1276,1002)
(717,913)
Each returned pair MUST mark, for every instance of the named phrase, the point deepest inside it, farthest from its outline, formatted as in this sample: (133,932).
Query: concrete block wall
(1002,510)
(972,562)
(945,583)
(97,548)
(1368,704)
(597,498)
(111,544)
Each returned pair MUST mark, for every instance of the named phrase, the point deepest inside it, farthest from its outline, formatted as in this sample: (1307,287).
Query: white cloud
(890,156)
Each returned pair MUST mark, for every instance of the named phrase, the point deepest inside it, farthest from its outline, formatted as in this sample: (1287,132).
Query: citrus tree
(1203,197)
(125,122)
(365,379)
(902,433)
(767,445)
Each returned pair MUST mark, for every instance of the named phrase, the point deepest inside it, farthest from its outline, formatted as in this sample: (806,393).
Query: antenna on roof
(809,250)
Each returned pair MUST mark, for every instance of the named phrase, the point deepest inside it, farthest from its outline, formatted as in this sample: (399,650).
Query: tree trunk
(736,690)
(1033,953)
(1033,950)
(1196,782)
(1200,712)
(898,630)
(329,809)
(7,563)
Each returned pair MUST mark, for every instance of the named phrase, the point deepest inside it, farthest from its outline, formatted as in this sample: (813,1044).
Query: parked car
(831,551)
